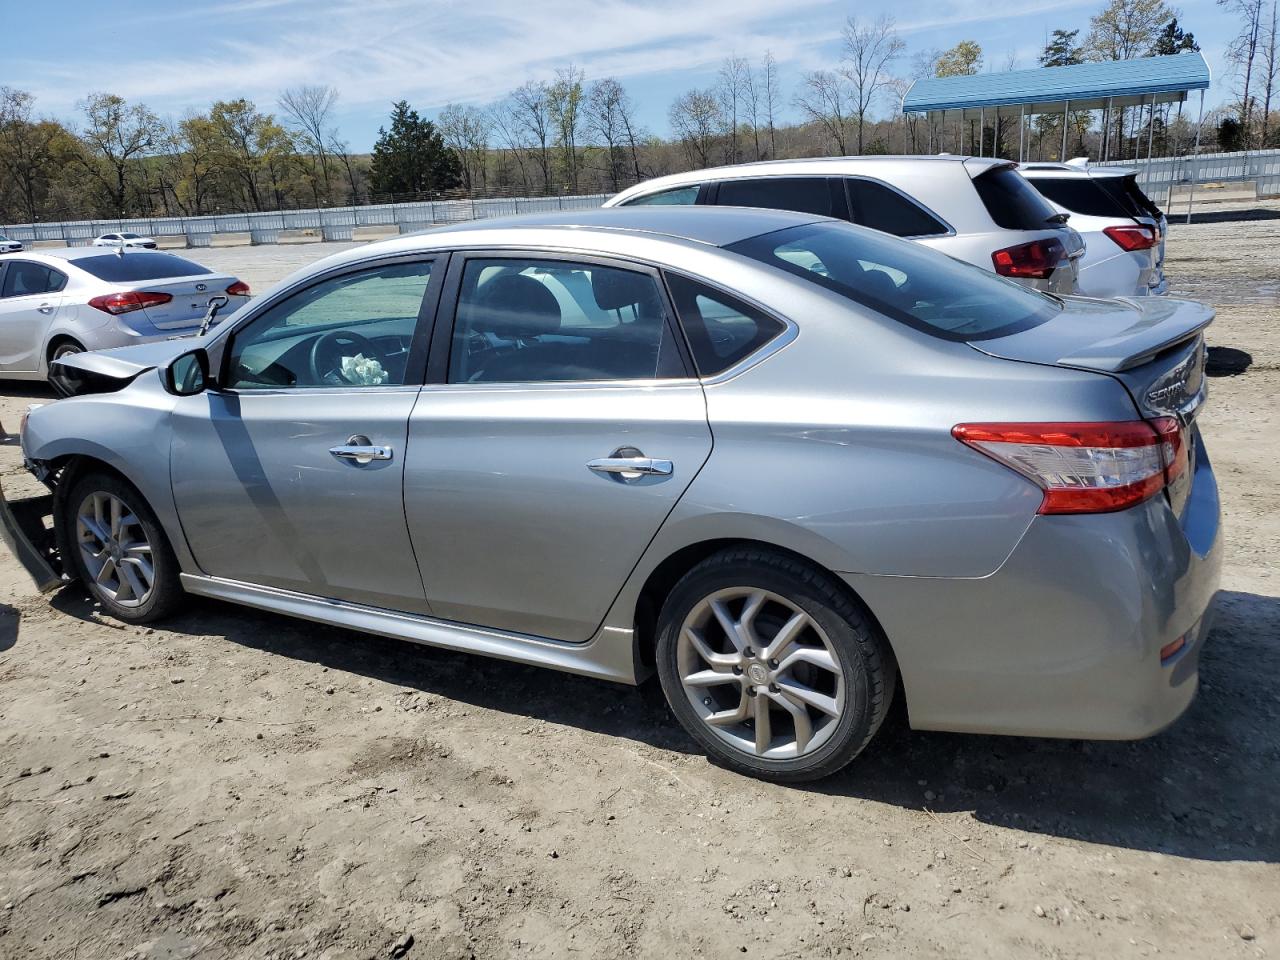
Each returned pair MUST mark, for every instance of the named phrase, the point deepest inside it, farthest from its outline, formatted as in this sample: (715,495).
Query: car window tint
(902,280)
(134,266)
(801,194)
(1081,196)
(882,208)
(722,330)
(1129,195)
(24,278)
(354,330)
(676,196)
(1012,202)
(529,321)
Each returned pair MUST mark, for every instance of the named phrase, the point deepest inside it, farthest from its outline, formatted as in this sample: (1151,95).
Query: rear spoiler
(1155,331)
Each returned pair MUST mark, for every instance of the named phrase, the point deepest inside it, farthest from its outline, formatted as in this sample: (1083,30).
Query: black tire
(865,661)
(166,593)
(61,349)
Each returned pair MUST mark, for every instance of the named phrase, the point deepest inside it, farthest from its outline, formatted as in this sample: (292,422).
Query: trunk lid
(1153,345)
(190,299)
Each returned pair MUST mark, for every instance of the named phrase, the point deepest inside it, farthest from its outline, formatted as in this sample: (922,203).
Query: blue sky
(181,55)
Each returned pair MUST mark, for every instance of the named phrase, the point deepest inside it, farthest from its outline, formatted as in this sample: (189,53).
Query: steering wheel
(327,352)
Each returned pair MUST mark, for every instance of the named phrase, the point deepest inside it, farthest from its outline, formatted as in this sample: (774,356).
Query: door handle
(638,466)
(361,450)
(45,308)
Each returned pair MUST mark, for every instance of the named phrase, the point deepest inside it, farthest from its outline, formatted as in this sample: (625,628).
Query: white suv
(976,209)
(1124,230)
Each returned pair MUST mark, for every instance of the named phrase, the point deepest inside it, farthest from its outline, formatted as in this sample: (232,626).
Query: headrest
(620,288)
(514,307)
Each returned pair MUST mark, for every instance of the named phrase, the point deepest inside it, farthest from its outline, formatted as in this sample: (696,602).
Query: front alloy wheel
(114,549)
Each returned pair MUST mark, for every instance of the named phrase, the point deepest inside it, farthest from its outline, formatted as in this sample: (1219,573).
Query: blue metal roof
(1077,83)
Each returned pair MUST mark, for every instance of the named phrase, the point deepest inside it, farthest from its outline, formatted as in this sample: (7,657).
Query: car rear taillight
(1035,260)
(1085,467)
(238,289)
(118,303)
(1133,238)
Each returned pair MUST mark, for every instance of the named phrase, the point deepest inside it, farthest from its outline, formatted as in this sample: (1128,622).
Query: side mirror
(188,374)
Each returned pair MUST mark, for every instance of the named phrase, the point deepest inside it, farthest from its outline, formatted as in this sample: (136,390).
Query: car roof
(883,166)
(714,226)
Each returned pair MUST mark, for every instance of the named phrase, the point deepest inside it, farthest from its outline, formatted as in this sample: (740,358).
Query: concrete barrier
(201,238)
(415,226)
(260,235)
(337,231)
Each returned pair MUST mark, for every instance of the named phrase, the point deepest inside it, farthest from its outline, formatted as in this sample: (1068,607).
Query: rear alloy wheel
(119,551)
(771,666)
(65,349)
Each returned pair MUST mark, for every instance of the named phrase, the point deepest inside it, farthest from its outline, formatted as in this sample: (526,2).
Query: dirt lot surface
(242,785)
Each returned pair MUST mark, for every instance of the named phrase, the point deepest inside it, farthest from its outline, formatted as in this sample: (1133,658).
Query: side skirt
(607,656)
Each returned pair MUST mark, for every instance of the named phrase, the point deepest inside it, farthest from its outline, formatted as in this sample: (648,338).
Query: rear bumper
(1064,639)
(25,532)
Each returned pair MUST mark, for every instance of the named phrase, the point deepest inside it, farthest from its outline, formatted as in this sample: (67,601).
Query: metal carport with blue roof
(1107,85)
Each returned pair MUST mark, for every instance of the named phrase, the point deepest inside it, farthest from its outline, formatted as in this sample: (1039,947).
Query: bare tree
(564,103)
(466,130)
(826,100)
(753,93)
(869,49)
(603,116)
(512,135)
(532,115)
(772,94)
(731,91)
(1268,71)
(309,109)
(696,118)
(1242,51)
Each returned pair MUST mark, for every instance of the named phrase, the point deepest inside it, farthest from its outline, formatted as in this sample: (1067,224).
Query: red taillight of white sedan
(1133,238)
(1085,467)
(238,289)
(118,303)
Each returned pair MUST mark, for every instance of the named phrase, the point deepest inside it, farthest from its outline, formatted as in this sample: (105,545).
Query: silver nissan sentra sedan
(795,466)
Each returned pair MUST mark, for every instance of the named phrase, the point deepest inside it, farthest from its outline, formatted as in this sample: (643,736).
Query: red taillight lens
(1035,260)
(238,289)
(1085,467)
(1133,238)
(118,303)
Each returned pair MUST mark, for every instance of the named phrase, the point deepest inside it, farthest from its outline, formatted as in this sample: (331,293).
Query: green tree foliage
(1125,29)
(962,60)
(1062,49)
(412,157)
(1230,135)
(1173,39)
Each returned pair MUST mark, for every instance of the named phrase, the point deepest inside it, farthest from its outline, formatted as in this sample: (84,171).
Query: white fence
(333,223)
(1162,174)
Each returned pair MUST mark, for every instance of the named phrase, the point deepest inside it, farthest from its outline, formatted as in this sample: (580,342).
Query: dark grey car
(795,466)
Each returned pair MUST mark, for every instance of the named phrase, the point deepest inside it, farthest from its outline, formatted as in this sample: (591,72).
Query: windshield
(903,280)
(139,266)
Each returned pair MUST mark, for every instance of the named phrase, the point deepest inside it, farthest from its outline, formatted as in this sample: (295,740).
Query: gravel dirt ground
(237,784)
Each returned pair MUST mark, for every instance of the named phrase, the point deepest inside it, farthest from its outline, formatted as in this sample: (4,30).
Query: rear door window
(22,278)
(801,194)
(132,267)
(722,330)
(1012,202)
(879,207)
(1080,196)
(679,196)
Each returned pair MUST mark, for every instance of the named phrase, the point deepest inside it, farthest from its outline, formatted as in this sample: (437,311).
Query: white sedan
(9,246)
(126,240)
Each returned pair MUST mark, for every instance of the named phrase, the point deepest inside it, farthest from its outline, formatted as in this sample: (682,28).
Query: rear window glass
(1081,196)
(115,268)
(881,208)
(1127,192)
(904,281)
(1012,202)
(721,329)
(801,194)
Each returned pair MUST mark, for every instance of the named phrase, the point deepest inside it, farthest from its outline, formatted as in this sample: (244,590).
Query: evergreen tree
(1173,39)
(412,157)
(1062,49)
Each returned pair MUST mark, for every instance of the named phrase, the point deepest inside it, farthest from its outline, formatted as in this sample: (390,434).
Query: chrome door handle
(45,308)
(640,466)
(359,449)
